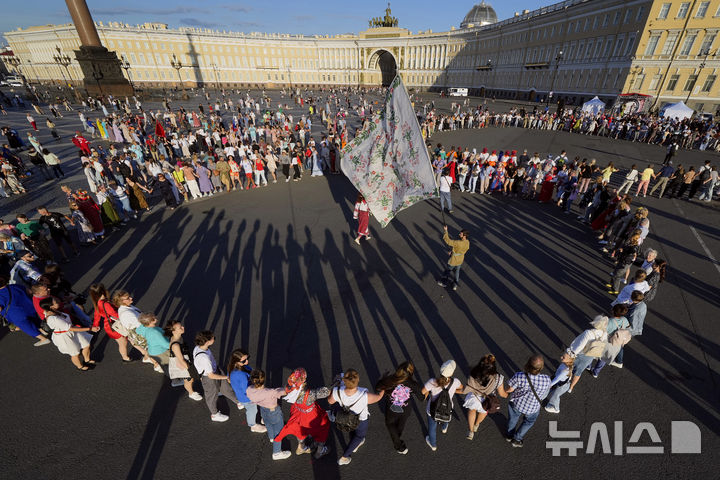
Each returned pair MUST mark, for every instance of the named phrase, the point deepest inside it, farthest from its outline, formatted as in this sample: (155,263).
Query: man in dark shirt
(39,162)
(665,173)
(54,222)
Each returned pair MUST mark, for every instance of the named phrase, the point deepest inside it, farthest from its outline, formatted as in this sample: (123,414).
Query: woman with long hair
(239,373)
(69,339)
(399,388)
(106,312)
(362,215)
(484,383)
(180,368)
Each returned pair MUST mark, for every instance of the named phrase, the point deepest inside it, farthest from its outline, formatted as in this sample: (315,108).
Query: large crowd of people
(225,146)
(673,133)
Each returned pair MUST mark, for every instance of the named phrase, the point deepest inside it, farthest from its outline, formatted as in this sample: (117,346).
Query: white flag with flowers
(388,161)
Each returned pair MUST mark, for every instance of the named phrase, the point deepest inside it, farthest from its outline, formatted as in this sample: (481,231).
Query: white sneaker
(158,368)
(361,444)
(241,406)
(40,343)
(427,440)
(258,428)
(195,396)
(344,460)
(616,365)
(219,417)
(147,360)
(551,409)
(281,455)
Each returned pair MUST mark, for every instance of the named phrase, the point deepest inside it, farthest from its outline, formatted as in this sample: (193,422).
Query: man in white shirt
(213,383)
(444,184)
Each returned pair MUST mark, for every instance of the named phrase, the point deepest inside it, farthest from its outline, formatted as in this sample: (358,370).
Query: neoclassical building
(577,49)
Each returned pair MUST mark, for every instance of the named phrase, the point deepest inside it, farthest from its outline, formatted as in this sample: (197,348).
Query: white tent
(677,110)
(594,106)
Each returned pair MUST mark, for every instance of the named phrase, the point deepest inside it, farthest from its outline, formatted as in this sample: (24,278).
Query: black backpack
(441,408)
(345,419)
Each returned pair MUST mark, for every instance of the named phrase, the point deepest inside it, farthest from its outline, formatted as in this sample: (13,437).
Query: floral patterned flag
(388,161)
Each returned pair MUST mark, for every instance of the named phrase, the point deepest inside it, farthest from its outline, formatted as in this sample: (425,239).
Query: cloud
(194,22)
(148,11)
(236,8)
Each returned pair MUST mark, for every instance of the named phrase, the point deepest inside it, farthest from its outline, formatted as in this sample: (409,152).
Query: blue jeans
(356,437)
(619,357)
(514,416)
(557,392)
(445,198)
(432,430)
(250,413)
(274,422)
(452,275)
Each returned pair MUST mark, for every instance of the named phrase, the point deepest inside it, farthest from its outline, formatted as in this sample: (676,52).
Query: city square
(275,271)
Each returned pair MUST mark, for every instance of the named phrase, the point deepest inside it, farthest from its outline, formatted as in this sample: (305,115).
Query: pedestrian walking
(526,390)
(439,392)
(213,381)
(560,383)
(266,400)
(484,386)
(362,215)
(353,402)
(239,372)
(69,339)
(399,387)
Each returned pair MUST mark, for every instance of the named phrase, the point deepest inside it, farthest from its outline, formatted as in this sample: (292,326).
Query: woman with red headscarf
(307,420)
(91,211)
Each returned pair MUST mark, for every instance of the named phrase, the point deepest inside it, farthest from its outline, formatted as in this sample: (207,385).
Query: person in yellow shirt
(457,257)
(645,177)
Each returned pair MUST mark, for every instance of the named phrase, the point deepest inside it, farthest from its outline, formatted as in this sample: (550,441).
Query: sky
(306,17)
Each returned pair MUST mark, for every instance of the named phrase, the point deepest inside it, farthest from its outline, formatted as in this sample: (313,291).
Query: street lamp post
(98,75)
(64,61)
(125,65)
(215,69)
(700,69)
(552,82)
(177,65)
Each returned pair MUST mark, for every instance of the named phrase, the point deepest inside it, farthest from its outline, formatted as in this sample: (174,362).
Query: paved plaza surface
(276,270)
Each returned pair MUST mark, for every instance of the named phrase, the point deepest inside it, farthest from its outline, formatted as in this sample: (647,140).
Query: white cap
(448,368)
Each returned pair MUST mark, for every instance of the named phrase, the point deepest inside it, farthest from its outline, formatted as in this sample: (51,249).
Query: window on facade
(640,14)
(577,27)
(628,15)
(606,20)
(608,47)
(690,83)
(717,12)
(688,43)
(672,83)
(709,81)
(570,27)
(669,43)
(616,20)
(664,10)
(618,47)
(654,82)
(683,10)
(707,43)
(702,9)
(637,86)
(630,45)
(596,22)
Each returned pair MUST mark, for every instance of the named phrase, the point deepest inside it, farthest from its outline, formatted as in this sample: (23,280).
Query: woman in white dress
(69,340)
(484,383)
(128,316)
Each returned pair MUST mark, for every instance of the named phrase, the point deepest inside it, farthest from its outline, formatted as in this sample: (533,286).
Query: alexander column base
(102,74)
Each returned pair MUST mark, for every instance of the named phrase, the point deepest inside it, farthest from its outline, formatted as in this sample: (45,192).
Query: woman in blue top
(18,310)
(158,344)
(239,373)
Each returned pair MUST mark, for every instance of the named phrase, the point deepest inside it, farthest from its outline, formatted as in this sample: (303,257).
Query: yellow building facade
(576,49)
